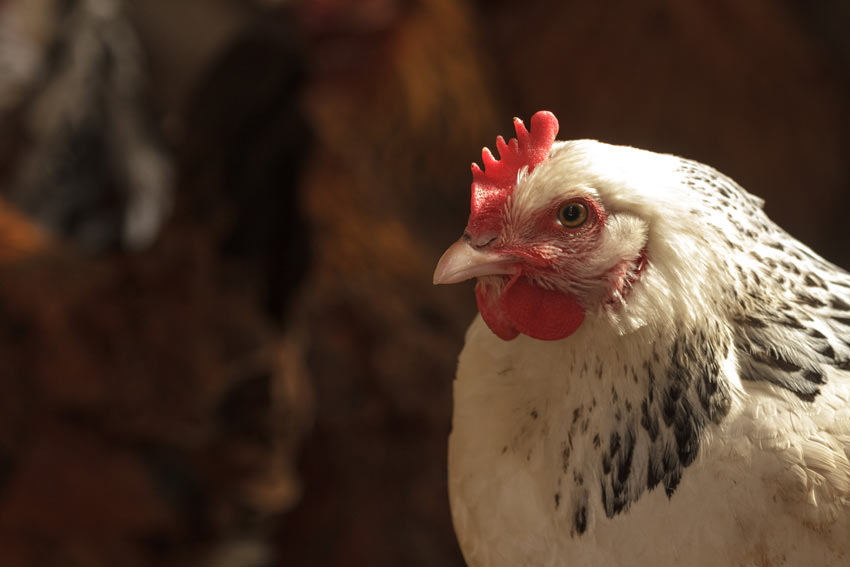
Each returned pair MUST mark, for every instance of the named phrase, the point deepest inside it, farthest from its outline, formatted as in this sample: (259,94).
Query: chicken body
(695,411)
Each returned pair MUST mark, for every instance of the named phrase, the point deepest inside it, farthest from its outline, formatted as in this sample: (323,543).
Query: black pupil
(572,213)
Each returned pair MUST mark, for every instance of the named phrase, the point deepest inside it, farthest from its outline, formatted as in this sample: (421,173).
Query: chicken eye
(572,215)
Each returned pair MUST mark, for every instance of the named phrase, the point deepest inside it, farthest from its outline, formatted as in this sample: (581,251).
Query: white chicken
(659,374)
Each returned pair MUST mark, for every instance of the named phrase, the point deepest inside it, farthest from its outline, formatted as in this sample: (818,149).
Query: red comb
(492,186)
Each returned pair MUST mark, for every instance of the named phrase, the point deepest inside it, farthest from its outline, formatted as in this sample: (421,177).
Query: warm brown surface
(148,408)
(151,405)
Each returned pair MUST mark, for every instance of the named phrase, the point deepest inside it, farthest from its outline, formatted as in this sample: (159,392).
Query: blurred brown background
(219,344)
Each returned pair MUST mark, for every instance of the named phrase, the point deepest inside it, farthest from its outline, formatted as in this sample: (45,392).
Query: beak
(462,262)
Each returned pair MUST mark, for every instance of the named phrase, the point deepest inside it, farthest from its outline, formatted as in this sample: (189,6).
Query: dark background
(219,343)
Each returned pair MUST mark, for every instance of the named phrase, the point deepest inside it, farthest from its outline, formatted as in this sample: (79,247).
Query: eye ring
(572,214)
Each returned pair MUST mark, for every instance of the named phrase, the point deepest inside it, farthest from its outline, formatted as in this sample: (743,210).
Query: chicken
(659,374)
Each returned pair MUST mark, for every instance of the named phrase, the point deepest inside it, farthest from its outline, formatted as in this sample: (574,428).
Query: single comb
(492,186)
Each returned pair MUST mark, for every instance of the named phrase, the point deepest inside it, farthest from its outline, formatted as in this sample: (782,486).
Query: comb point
(501,146)
(521,132)
(488,158)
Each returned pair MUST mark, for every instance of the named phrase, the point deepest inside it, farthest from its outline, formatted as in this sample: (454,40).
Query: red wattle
(537,312)
(492,313)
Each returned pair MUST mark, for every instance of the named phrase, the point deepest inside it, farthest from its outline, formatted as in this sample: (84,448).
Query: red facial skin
(523,305)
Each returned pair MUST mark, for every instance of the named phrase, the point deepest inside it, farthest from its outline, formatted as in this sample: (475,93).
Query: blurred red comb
(492,186)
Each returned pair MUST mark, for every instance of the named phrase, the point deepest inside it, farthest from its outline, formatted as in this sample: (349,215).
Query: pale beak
(462,262)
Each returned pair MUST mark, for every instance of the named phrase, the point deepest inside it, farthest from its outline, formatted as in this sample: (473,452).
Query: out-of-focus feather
(91,166)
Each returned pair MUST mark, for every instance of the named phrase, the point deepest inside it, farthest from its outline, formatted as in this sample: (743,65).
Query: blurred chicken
(86,159)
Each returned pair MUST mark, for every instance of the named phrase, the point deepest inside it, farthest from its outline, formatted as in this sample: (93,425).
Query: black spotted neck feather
(637,427)
(789,309)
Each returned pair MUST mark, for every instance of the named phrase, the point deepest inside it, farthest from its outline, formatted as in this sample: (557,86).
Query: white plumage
(698,415)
